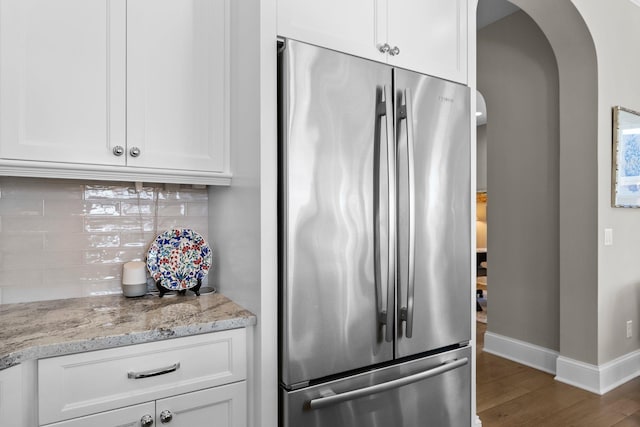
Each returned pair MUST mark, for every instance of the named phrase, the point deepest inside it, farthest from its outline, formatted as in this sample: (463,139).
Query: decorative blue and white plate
(179,257)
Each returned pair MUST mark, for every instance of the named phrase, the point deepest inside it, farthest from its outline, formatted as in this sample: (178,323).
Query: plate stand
(195,289)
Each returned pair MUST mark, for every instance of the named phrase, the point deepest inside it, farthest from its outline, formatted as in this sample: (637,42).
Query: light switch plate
(608,236)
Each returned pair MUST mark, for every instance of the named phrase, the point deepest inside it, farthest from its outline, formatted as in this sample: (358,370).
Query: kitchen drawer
(86,383)
(430,391)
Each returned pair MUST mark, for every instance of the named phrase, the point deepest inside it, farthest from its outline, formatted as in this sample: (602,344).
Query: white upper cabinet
(176,100)
(133,90)
(427,36)
(355,26)
(431,36)
(62,80)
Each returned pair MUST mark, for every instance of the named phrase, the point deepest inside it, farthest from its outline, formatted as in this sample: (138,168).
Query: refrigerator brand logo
(445,99)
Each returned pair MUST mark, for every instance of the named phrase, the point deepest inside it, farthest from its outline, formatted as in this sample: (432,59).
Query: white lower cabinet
(223,406)
(11,403)
(131,416)
(192,381)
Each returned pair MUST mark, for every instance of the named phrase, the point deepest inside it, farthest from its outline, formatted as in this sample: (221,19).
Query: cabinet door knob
(165,416)
(146,421)
(394,51)
(118,150)
(134,152)
(384,48)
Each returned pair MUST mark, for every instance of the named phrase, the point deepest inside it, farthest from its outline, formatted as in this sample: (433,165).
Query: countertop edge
(106,342)
(42,329)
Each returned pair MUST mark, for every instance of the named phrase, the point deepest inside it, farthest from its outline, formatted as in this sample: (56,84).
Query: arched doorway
(569,294)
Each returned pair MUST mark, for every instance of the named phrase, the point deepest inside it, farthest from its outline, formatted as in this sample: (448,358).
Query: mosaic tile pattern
(68,238)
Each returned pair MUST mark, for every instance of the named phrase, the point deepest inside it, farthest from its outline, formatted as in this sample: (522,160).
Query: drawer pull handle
(153,372)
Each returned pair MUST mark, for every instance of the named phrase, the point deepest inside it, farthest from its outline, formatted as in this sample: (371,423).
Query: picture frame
(625,192)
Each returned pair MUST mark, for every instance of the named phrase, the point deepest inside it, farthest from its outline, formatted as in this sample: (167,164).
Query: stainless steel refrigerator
(375,244)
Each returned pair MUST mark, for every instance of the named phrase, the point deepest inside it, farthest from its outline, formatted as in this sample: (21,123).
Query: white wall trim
(598,379)
(578,374)
(520,351)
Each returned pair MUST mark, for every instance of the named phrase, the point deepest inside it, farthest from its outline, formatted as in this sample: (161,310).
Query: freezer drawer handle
(323,402)
(154,372)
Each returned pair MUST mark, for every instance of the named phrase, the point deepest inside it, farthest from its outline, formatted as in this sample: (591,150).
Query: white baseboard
(593,378)
(598,379)
(478,422)
(520,351)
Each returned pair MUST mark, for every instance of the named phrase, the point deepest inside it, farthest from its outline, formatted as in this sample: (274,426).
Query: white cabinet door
(11,404)
(357,27)
(62,80)
(177,96)
(224,406)
(131,416)
(82,79)
(431,36)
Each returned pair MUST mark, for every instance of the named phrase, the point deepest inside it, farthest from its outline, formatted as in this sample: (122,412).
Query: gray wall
(234,211)
(578,76)
(518,76)
(615,28)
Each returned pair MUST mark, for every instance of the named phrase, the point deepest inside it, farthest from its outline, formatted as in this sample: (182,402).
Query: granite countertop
(42,329)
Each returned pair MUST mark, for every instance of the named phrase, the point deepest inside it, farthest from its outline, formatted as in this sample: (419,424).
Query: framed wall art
(625,180)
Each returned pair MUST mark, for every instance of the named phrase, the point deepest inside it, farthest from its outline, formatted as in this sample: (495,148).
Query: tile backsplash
(67,238)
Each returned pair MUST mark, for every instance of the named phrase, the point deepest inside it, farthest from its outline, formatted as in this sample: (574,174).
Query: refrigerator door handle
(406,113)
(385,109)
(334,399)
(391,186)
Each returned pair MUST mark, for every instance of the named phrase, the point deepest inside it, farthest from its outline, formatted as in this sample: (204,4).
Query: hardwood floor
(510,394)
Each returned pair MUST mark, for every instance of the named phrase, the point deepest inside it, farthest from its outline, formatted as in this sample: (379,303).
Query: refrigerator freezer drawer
(434,391)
